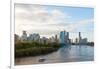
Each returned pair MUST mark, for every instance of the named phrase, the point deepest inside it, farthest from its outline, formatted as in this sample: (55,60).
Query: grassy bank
(24,49)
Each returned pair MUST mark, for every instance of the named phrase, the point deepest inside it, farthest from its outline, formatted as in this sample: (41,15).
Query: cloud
(37,18)
(76,25)
(38,13)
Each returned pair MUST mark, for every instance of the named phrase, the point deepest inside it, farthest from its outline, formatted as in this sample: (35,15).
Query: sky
(48,20)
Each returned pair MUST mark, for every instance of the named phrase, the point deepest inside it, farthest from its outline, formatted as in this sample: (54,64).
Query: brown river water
(73,53)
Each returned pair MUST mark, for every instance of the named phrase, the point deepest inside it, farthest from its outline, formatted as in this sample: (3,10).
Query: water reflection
(68,53)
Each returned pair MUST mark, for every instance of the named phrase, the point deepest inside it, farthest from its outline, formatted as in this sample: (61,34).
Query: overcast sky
(50,20)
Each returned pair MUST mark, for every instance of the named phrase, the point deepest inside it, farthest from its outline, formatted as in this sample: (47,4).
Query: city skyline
(50,20)
(67,34)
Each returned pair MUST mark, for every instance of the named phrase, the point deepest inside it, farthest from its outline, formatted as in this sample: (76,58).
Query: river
(73,53)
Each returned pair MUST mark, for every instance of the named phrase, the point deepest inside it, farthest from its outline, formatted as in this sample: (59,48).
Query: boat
(41,59)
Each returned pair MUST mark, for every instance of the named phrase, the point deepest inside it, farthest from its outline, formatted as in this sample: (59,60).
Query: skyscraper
(68,35)
(84,41)
(34,37)
(76,41)
(16,37)
(56,39)
(62,37)
(24,33)
(80,38)
(67,38)
(24,36)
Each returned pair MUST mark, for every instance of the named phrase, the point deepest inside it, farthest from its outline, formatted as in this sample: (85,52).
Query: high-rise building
(76,41)
(24,33)
(84,41)
(34,37)
(44,40)
(62,37)
(24,36)
(56,39)
(80,38)
(52,39)
(16,37)
(68,35)
(67,38)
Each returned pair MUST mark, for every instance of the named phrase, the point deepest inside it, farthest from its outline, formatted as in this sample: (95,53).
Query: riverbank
(25,49)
